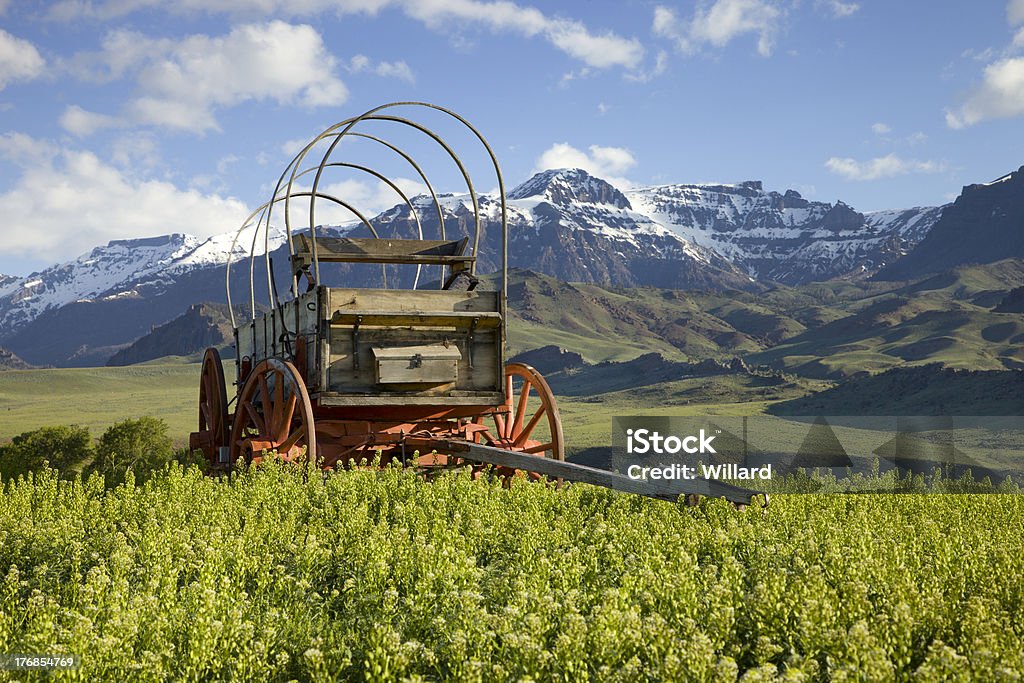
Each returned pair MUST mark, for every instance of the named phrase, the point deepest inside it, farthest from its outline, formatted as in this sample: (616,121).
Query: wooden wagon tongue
(335,374)
(569,471)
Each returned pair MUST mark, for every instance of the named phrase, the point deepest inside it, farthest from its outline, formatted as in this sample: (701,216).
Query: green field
(98,397)
(380,576)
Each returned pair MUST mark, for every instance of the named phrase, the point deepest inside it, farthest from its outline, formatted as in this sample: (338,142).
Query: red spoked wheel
(273,414)
(213,409)
(530,422)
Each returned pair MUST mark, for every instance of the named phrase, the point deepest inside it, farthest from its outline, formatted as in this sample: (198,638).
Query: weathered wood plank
(558,469)
(483,320)
(385,399)
(309,312)
(417,300)
(373,250)
(330,246)
(344,376)
(423,364)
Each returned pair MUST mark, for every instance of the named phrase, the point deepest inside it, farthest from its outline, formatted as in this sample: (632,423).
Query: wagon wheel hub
(528,422)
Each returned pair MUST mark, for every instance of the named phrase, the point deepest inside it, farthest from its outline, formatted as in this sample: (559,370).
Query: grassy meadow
(98,397)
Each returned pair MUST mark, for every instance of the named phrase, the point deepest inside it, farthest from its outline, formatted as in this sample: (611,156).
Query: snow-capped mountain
(122,268)
(984,224)
(94,275)
(578,228)
(82,311)
(784,237)
(565,223)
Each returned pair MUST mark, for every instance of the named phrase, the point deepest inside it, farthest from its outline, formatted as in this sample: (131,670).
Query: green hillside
(826,330)
(946,319)
(815,334)
(919,390)
(98,397)
(604,324)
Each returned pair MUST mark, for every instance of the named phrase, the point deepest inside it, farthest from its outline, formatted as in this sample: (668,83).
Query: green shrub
(187,457)
(66,449)
(141,445)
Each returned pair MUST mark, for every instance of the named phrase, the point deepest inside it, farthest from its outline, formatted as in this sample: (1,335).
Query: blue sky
(128,118)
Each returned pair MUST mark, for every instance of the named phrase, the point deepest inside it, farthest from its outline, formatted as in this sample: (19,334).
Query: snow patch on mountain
(719,234)
(576,200)
(783,237)
(120,269)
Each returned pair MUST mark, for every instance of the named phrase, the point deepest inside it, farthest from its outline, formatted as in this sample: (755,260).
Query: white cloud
(999,96)
(69,201)
(643,76)
(917,138)
(608,163)
(880,128)
(82,123)
(359,63)
(137,149)
(571,37)
(104,10)
(24,150)
(665,22)
(599,50)
(840,9)
(1000,93)
(719,24)
(183,83)
(399,70)
(499,15)
(120,52)
(276,60)
(292,147)
(225,162)
(19,60)
(574,75)
(881,167)
(1015,12)
(978,55)
(369,196)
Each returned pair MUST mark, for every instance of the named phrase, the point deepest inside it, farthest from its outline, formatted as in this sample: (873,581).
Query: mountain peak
(981,226)
(1004,183)
(564,186)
